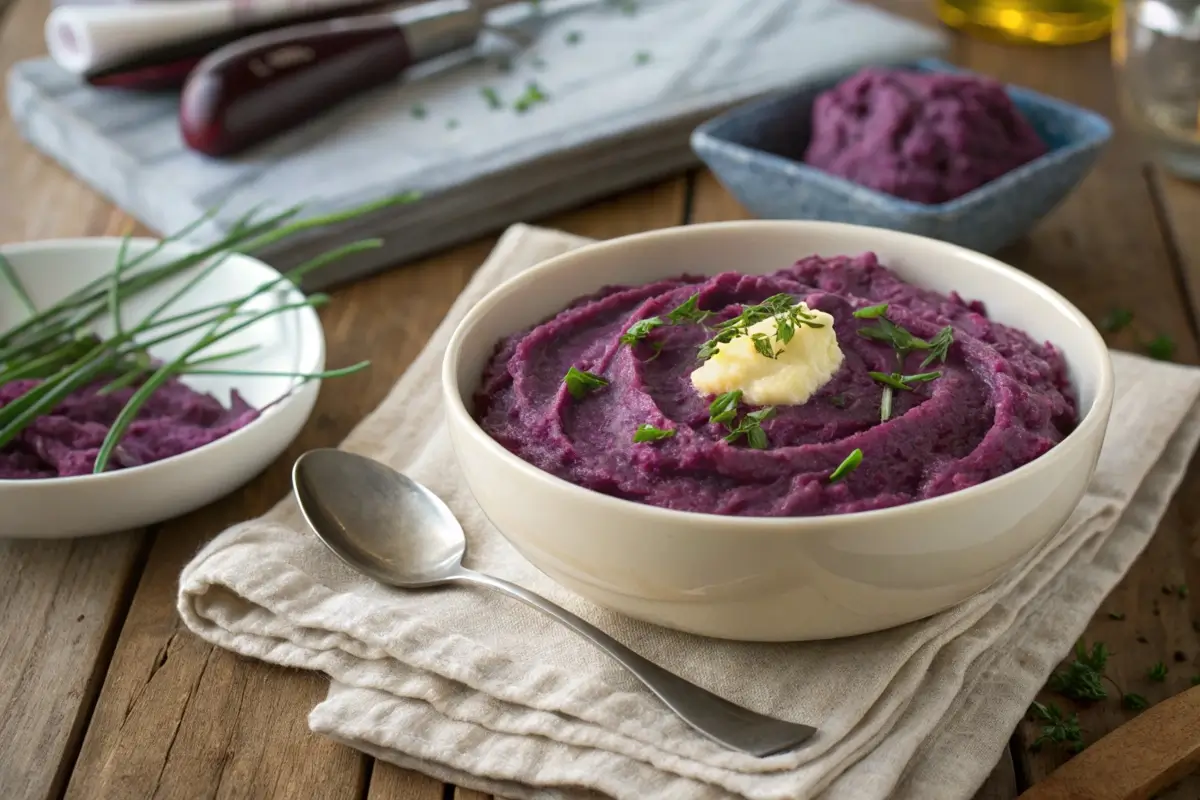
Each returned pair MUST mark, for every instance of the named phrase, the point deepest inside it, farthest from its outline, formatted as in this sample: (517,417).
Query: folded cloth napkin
(476,689)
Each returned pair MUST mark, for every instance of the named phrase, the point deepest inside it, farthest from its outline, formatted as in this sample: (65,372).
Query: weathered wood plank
(61,602)
(389,782)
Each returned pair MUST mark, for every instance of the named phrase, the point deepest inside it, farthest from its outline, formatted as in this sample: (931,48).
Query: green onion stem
(10,275)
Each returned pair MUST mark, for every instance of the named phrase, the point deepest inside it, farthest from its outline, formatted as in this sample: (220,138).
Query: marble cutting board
(626,82)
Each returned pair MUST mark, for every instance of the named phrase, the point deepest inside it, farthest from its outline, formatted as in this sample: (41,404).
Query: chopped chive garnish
(688,311)
(579,382)
(788,316)
(1161,348)
(419,112)
(532,96)
(641,58)
(492,97)
(723,410)
(640,330)
(872,312)
(648,433)
(574,37)
(847,466)
(751,428)
(893,380)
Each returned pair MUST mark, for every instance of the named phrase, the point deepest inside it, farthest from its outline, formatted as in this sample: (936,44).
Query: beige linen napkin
(476,689)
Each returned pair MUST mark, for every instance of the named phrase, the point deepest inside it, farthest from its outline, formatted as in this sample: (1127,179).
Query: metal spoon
(394,530)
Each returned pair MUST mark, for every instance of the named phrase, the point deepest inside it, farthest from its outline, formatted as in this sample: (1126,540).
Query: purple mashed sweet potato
(926,137)
(1001,401)
(67,440)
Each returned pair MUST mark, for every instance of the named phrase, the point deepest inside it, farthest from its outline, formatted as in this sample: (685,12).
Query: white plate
(290,341)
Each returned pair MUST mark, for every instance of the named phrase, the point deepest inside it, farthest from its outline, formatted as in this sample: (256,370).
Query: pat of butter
(807,362)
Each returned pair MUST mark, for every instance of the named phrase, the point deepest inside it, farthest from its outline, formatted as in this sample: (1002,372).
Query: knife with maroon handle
(263,85)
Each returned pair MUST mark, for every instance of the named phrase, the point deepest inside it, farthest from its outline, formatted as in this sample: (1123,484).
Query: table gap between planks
(105,696)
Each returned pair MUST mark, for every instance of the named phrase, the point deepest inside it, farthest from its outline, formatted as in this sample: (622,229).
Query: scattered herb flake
(872,312)
(847,466)
(1161,348)
(723,410)
(1117,616)
(688,311)
(1135,702)
(532,95)
(1116,319)
(641,58)
(492,97)
(419,112)
(451,124)
(1158,672)
(939,347)
(750,426)
(1083,677)
(838,401)
(1058,729)
(762,345)
(574,37)
(893,380)
(648,433)
(640,330)
(579,383)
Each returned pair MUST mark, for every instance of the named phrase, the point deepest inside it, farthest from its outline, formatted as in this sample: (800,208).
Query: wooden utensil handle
(1146,755)
(263,85)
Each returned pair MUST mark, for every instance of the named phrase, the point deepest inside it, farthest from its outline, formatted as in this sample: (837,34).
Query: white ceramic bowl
(776,579)
(290,341)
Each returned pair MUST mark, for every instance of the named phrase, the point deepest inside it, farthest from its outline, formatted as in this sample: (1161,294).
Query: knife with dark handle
(261,86)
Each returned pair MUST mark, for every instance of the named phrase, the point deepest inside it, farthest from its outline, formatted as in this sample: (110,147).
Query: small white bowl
(776,579)
(291,341)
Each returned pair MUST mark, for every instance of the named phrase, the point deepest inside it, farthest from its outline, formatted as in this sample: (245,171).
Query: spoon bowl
(394,530)
(377,520)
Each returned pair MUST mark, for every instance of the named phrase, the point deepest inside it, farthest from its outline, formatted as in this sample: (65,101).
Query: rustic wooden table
(104,695)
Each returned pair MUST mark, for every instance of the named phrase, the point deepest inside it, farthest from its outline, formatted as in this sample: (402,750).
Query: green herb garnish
(838,401)
(641,58)
(893,380)
(688,311)
(1161,348)
(52,343)
(1058,729)
(419,112)
(1083,679)
(574,37)
(1135,702)
(640,330)
(648,433)
(451,124)
(885,404)
(872,312)
(532,95)
(763,346)
(1158,672)
(580,383)
(787,316)
(723,410)
(492,97)
(1116,319)
(750,426)
(847,466)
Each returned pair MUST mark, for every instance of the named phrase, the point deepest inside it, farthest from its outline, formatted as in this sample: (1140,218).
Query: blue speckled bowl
(757,150)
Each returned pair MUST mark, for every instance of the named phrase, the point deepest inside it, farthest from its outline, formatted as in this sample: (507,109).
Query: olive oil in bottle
(1031,21)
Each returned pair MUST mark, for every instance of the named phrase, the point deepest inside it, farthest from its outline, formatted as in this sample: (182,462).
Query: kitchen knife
(263,85)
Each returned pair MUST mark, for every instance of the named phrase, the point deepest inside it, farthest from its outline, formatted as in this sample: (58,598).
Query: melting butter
(807,362)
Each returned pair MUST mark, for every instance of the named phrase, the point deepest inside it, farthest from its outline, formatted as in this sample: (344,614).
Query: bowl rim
(705,136)
(1093,423)
(309,322)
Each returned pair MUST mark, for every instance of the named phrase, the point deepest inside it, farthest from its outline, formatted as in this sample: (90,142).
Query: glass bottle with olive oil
(1032,21)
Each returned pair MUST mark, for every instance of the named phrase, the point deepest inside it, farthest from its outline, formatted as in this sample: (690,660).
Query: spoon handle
(718,719)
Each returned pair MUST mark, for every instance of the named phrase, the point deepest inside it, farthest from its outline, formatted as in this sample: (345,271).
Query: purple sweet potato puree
(66,441)
(1003,399)
(926,137)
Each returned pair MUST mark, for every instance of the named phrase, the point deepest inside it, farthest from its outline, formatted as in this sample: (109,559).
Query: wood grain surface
(105,696)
